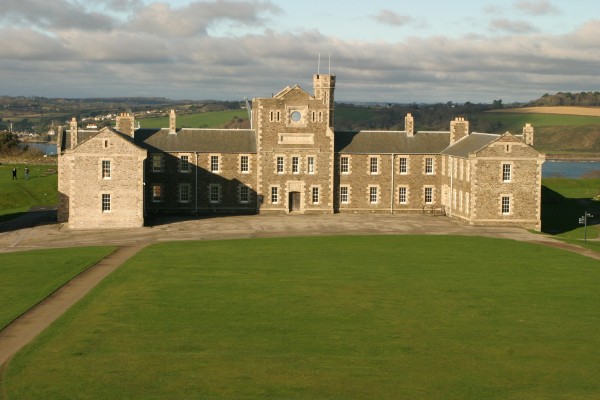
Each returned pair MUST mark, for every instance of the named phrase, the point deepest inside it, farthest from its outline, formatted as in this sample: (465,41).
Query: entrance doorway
(294,202)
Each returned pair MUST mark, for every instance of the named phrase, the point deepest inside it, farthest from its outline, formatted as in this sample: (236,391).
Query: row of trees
(584,99)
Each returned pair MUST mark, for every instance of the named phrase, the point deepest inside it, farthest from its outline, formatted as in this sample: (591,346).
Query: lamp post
(583,221)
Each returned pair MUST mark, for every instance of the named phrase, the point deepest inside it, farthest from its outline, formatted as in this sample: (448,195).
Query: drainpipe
(392,189)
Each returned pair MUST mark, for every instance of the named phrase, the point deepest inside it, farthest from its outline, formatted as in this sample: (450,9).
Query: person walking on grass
(14,173)
(26,172)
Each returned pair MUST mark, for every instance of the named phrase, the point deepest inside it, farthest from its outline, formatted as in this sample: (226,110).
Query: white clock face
(295,116)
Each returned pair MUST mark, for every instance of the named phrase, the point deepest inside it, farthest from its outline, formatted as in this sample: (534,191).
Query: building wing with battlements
(293,161)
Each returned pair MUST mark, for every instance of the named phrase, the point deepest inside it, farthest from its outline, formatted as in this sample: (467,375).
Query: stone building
(293,161)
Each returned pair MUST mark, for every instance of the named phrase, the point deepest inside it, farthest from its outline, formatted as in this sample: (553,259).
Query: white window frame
(429,166)
(311,164)
(345,164)
(506,172)
(106,202)
(344,194)
(402,195)
(373,195)
(373,165)
(185,191)
(315,195)
(428,193)
(295,165)
(403,166)
(214,190)
(274,194)
(244,194)
(106,169)
(244,164)
(280,164)
(214,163)
(184,163)
(505,205)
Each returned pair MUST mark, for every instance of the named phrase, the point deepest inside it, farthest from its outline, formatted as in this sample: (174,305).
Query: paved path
(22,330)
(130,241)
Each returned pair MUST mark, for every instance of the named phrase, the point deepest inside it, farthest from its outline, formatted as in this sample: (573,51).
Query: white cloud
(195,18)
(55,14)
(512,26)
(536,7)
(166,51)
(392,18)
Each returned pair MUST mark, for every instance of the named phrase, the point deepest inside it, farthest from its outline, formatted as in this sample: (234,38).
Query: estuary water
(570,169)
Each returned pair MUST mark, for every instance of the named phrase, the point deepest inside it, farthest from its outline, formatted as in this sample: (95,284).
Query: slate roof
(470,144)
(197,140)
(387,142)
(82,136)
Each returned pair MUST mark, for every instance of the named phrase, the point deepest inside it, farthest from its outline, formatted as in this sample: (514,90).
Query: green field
(28,277)
(516,121)
(359,317)
(554,134)
(215,119)
(18,196)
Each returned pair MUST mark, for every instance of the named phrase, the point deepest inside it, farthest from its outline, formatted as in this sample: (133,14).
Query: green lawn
(28,277)
(356,317)
(213,119)
(18,196)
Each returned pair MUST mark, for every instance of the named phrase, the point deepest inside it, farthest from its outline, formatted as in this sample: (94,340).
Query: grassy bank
(372,317)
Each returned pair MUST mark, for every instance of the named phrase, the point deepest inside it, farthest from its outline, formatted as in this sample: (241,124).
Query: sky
(380,50)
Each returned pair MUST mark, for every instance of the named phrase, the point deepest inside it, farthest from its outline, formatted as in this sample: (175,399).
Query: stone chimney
(73,132)
(528,134)
(459,128)
(126,124)
(409,125)
(172,122)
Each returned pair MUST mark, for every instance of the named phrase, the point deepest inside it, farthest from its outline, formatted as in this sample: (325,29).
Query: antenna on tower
(319,64)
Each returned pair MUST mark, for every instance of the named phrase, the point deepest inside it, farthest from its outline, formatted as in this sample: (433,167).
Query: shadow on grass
(34,217)
(561,214)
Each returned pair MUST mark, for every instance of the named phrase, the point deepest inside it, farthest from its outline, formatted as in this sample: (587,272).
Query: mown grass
(26,278)
(18,196)
(213,119)
(360,317)
(564,201)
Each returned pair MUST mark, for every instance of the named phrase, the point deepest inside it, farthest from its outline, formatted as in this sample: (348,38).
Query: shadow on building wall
(175,195)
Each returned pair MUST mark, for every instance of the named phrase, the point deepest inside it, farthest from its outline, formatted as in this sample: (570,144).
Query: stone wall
(82,184)
(388,180)
(294,126)
(523,189)
(200,180)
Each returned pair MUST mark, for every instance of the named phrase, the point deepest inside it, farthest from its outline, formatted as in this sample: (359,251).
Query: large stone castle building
(293,161)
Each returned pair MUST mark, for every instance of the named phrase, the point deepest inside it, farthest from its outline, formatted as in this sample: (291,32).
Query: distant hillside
(585,99)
